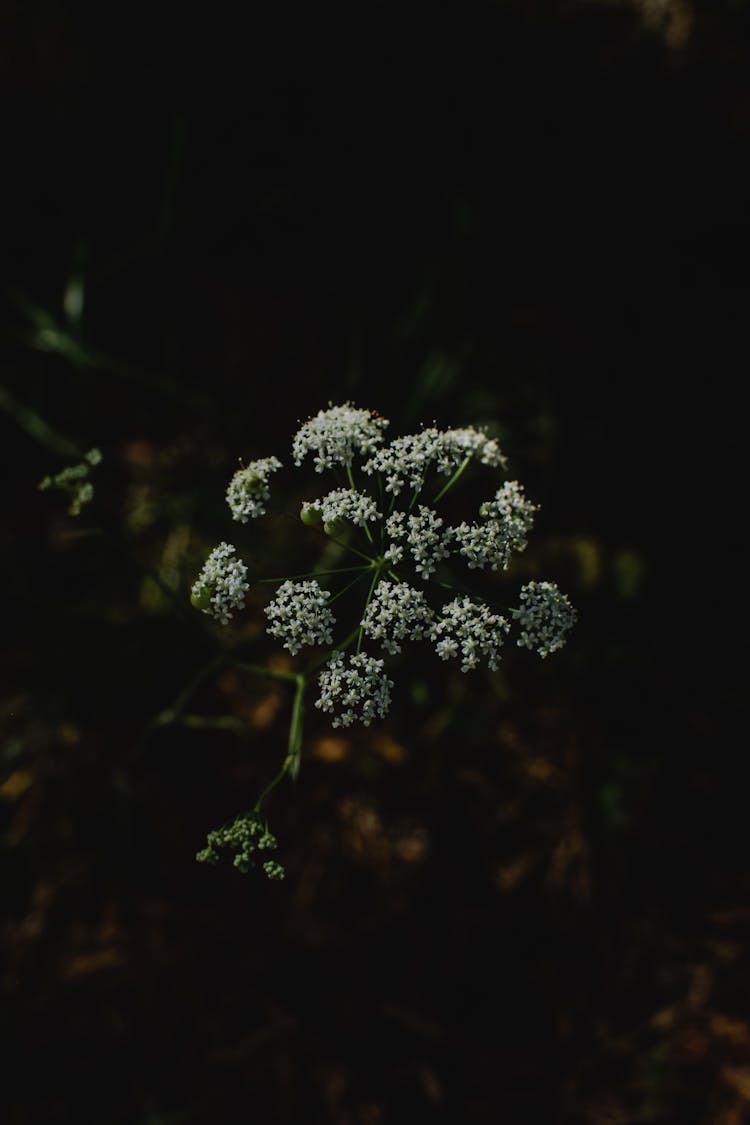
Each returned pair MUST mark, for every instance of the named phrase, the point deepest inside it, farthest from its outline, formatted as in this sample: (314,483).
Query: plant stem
(311,574)
(453,480)
(373,584)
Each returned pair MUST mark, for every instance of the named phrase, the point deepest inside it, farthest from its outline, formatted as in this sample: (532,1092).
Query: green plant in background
(75,481)
(384,513)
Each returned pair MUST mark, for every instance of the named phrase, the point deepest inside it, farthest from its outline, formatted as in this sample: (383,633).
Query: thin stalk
(453,480)
(363,570)
(373,584)
(311,574)
(353,487)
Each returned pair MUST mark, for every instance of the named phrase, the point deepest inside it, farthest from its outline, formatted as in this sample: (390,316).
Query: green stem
(373,584)
(353,487)
(453,479)
(311,574)
(363,570)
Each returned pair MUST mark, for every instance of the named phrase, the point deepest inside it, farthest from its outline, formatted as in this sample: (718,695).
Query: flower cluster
(424,536)
(299,616)
(405,459)
(391,523)
(471,628)
(408,459)
(355,692)
(248,491)
(244,836)
(336,434)
(343,505)
(545,616)
(220,587)
(396,613)
(507,519)
(457,445)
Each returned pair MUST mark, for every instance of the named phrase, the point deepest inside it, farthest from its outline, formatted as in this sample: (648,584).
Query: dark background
(522,897)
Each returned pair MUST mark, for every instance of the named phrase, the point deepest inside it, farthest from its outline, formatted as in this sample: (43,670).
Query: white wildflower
(397,612)
(336,434)
(473,630)
(343,504)
(546,616)
(248,489)
(360,692)
(394,554)
(221,586)
(428,543)
(299,616)
(405,459)
(456,445)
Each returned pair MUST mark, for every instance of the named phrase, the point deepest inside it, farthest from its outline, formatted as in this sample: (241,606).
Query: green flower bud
(201,597)
(310,516)
(335,527)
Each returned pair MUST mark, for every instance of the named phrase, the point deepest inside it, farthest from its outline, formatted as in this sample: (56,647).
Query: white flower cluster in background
(344,505)
(471,629)
(545,616)
(397,613)
(248,491)
(354,691)
(299,616)
(221,586)
(336,434)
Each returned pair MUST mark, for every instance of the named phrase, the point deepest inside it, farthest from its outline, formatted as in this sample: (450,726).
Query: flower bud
(310,516)
(200,598)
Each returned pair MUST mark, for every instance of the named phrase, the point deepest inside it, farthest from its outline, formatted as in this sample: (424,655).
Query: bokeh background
(524,896)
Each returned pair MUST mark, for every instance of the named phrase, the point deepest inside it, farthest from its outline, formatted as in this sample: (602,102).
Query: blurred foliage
(523,897)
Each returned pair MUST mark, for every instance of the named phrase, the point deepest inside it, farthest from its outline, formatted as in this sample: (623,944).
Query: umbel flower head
(405,547)
(545,616)
(337,434)
(220,587)
(392,519)
(248,491)
(299,616)
(245,836)
(357,690)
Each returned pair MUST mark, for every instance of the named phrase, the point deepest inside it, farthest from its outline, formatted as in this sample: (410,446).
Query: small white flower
(546,617)
(472,629)
(221,586)
(360,692)
(336,434)
(299,616)
(344,504)
(397,612)
(394,554)
(248,490)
